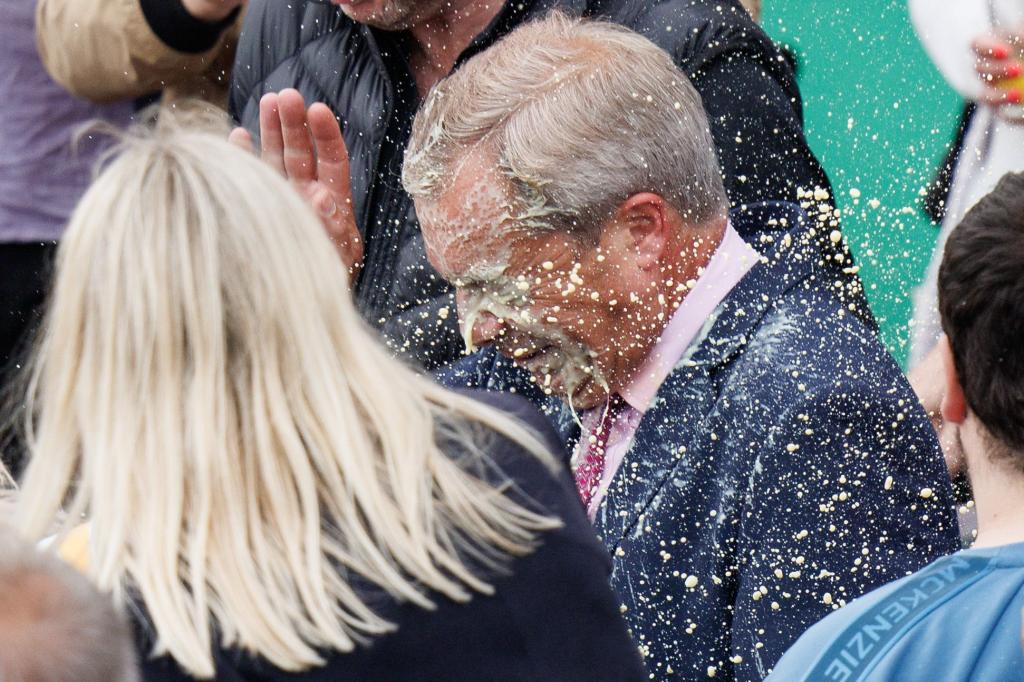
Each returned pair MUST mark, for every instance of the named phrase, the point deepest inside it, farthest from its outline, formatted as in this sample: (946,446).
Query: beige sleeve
(104,50)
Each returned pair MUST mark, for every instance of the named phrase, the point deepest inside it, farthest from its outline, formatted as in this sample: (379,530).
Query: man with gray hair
(750,454)
(54,625)
(369,64)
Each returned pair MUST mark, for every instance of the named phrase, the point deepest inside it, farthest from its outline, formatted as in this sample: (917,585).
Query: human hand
(211,10)
(306,147)
(999,64)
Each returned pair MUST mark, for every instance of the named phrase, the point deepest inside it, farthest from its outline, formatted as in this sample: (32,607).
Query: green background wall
(879,117)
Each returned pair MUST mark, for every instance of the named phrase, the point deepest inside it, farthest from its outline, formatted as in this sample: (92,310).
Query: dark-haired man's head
(981,301)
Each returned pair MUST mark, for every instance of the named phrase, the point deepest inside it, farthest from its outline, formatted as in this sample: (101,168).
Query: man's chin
(368,12)
(588,395)
(585,395)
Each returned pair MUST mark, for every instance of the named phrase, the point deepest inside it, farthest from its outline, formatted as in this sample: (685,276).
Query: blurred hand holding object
(1000,66)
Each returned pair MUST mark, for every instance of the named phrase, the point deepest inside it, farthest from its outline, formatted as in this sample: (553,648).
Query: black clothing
(25,270)
(554,618)
(178,29)
(749,92)
(934,204)
(23,287)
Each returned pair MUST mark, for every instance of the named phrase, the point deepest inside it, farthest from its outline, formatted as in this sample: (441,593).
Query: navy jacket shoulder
(785,464)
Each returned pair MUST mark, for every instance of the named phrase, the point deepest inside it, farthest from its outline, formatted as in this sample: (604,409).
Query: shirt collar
(731,261)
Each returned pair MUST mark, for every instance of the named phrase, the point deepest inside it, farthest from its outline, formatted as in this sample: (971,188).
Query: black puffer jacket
(748,90)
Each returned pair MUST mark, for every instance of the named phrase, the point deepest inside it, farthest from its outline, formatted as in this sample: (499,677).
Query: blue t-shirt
(959,618)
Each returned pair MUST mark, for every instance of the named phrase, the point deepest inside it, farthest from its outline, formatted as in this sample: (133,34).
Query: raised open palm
(306,147)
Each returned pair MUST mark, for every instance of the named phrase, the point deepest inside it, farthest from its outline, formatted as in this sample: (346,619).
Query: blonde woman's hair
(206,394)
(7,491)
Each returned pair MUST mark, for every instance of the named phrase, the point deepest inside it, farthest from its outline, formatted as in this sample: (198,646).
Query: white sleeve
(946,29)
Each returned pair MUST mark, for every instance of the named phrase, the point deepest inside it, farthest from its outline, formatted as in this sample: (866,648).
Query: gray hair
(54,625)
(580,115)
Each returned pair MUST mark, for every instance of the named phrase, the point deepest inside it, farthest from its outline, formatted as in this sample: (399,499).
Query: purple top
(42,175)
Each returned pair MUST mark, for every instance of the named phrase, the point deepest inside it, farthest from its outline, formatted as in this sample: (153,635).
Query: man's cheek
(461,304)
(432,247)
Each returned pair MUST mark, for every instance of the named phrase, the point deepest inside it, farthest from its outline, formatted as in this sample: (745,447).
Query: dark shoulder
(275,33)
(546,482)
(695,32)
(292,24)
(838,336)
(523,411)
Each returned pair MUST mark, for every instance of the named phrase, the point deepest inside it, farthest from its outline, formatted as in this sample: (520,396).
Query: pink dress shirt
(730,262)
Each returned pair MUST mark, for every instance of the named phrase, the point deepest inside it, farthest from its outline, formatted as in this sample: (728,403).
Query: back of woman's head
(205,392)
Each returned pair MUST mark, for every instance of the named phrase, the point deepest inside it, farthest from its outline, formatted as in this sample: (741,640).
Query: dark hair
(981,300)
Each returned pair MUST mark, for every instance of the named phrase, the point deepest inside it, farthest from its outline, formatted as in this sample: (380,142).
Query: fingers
(337,217)
(307,147)
(241,138)
(999,96)
(270,132)
(340,227)
(299,157)
(990,47)
(326,206)
(999,68)
(1014,115)
(994,57)
(994,70)
(331,154)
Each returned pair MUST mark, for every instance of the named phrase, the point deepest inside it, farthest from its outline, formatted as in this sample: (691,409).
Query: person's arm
(849,493)
(111,50)
(757,130)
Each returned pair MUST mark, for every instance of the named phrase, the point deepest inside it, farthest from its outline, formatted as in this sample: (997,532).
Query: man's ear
(954,405)
(645,217)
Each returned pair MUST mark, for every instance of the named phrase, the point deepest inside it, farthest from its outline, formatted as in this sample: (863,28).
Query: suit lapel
(686,398)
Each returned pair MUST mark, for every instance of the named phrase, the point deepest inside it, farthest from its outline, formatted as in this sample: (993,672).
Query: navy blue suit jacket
(785,464)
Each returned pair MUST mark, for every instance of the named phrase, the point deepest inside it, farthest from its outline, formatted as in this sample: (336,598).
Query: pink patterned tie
(591,469)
